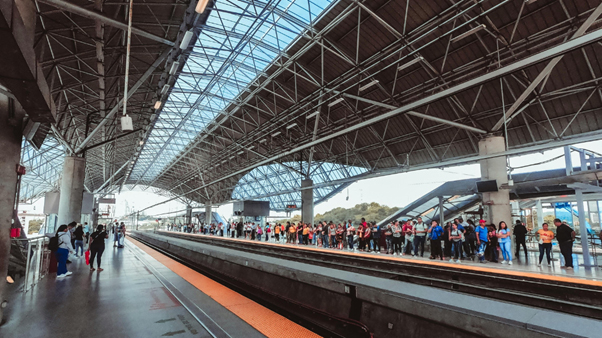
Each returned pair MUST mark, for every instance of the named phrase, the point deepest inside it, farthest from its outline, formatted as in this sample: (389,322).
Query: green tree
(34,225)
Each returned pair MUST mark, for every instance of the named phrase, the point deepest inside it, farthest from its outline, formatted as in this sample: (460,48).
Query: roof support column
(307,201)
(11,120)
(72,190)
(496,205)
(208,213)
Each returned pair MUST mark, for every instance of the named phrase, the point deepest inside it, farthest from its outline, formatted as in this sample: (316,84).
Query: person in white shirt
(420,230)
(62,253)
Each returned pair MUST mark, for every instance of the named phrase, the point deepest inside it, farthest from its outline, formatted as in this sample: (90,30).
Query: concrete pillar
(583,229)
(496,205)
(72,190)
(307,201)
(208,214)
(11,124)
(441,212)
(539,216)
(188,214)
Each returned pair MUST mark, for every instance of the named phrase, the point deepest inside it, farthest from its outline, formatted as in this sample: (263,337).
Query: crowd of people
(75,239)
(454,241)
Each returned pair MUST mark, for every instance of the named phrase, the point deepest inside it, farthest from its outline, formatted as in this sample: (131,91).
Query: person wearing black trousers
(520,231)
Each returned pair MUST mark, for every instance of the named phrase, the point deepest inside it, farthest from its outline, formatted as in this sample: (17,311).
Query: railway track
(574,298)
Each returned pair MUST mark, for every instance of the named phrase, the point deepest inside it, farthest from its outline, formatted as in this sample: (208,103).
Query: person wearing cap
(520,231)
(482,233)
(565,236)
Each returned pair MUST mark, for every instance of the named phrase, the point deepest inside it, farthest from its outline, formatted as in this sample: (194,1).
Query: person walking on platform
(64,248)
(482,234)
(419,236)
(545,243)
(520,233)
(97,246)
(436,231)
(565,236)
(503,235)
(79,239)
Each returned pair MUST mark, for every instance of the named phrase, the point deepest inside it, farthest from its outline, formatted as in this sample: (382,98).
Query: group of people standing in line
(72,239)
(454,241)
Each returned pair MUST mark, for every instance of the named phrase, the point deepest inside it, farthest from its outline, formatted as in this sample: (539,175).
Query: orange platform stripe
(259,317)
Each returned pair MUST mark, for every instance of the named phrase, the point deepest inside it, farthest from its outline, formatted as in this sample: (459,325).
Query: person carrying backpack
(61,245)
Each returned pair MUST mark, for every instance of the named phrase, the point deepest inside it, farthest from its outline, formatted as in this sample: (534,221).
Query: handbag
(87,254)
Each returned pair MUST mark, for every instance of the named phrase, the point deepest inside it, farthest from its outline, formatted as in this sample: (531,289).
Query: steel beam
(131,92)
(514,110)
(75,9)
(417,114)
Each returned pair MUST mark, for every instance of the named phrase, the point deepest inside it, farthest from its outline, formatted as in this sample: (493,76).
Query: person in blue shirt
(482,233)
(503,235)
(436,232)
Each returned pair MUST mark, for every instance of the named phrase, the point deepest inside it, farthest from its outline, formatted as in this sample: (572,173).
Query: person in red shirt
(408,230)
(367,236)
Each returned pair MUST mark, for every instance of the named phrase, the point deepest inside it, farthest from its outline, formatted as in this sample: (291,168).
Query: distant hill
(370,211)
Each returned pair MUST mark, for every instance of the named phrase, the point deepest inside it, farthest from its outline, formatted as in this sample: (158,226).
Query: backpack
(53,245)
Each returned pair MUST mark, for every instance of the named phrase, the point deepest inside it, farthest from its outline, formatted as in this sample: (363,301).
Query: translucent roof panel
(280,183)
(43,168)
(239,40)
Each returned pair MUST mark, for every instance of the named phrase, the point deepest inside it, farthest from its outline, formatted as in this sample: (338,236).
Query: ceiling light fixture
(291,126)
(340,99)
(413,62)
(467,33)
(241,152)
(174,67)
(312,115)
(157,104)
(368,85)
(165,89)
(276,133)
(263,141)
(201,5)
(186,40)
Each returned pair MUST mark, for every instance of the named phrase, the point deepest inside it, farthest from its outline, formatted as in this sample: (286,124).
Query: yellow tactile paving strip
(264,320)
(544,277)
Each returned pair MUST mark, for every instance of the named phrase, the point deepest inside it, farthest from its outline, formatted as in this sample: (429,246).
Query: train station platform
(394,297)
(520,267)
(140,293)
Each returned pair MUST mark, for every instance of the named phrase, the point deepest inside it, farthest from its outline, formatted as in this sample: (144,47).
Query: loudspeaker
(487,186)
(126,123)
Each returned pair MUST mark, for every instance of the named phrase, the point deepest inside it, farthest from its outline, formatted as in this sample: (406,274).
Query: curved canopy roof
(379,85)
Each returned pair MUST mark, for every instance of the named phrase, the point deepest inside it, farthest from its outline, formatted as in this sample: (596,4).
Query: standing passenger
(436,231)
(545,243)
(62,253)
(97,246)
(455,236)
(420,232)
(396,233)
(565,236)
(503,236)
(482,234)
(376,237)
(408,231)
(520,231)
(350,234)
(389,239)
(79,240)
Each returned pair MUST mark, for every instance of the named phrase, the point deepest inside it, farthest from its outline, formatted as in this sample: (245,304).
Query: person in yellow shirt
(305,234)
(292,232)
(545,243)
(277,232)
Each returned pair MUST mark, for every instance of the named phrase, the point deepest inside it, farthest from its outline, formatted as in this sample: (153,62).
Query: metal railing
(37,260)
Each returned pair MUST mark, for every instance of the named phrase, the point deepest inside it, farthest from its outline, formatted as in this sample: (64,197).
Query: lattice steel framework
(387,86)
